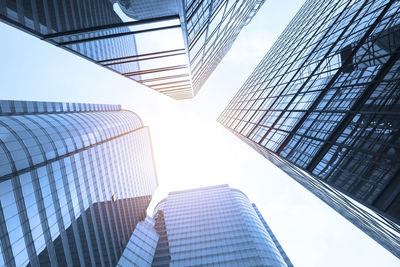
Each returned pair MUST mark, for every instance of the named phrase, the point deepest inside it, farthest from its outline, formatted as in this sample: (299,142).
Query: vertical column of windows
(41,144)
(56,173)
(68,170)
(25,227)
(79,225)
(33,214)
(91,195)
(106,213)
(84,204)
(50,213)
(120,155)
(57,192)
(100,220)
(117,210)
(7,257)
(126,181)
(12,201)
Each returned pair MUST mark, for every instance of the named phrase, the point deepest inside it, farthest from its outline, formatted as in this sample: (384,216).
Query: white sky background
(191,148)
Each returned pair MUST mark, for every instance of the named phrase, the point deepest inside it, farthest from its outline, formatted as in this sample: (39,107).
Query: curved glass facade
(75,179)
(212,226)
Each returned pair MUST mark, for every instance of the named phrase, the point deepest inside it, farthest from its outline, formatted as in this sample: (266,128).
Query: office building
(213,226)
(324,106)
(171,46)
(75,179)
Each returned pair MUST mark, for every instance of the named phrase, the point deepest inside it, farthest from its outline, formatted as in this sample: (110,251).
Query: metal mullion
(136,60)
(105,221)
(154,70)
(167,83)
(5,241)
(98,224)
(178,90)
(172,88)
(191,4)
(362,99)
(115,35)
(334,77)
(381,155)
(110,26)
(142,55)
(164,78)
(293,62)
(275,52)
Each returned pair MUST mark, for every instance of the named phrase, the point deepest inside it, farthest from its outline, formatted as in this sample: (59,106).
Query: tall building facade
(171,46)
(324,106)
(213,226)
(75,179)
(141,246)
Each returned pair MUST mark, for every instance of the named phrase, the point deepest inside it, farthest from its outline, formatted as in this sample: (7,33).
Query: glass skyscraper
(324,106)
(75,179)
(171,46)
(213,226)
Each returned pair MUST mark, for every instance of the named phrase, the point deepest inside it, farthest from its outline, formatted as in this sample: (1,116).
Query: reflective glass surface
(213,226)
(141,246)
(325,100)
(171,46)
(75,181)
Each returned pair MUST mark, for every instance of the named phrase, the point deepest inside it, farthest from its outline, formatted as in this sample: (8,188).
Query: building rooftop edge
(161,202)
(197,189)
(20,107)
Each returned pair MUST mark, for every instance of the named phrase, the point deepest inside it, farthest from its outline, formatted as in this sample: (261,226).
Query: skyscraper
(324,106)
(75,179)
(171,46)
(213,226)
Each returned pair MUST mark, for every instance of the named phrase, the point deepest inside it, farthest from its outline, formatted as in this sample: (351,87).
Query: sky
(191,149)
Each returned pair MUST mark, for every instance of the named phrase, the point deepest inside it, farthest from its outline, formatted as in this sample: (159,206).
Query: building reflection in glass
(75,179)
(324,105)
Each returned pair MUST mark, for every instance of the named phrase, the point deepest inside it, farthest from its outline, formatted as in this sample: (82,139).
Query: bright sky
(191,148)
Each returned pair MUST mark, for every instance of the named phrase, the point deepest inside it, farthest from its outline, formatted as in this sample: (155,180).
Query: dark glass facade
(323,105)
(171,46)
(75,179)
(213,226)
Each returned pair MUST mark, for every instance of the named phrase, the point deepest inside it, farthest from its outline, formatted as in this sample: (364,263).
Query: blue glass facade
(213,226)
(212,26)
(140,48)
(323,105)
(271,234)
(75,179)
(141,246)
(209,29)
